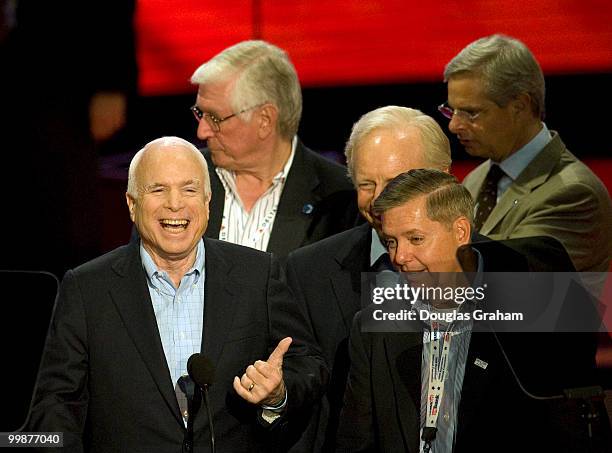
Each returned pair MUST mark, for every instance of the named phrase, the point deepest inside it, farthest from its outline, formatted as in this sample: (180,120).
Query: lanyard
(264,226)
(438,371)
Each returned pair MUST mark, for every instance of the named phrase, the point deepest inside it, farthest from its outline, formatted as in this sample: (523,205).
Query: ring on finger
(251,386)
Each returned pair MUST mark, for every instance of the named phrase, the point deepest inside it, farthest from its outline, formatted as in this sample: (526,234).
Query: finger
(276,358)
(254,375)
(266,370)
(246,382)
(241,391)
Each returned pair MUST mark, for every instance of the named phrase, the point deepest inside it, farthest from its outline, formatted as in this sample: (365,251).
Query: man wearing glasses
(530,185)
(269,191)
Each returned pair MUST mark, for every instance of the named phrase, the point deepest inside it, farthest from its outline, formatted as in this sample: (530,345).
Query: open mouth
(174,224)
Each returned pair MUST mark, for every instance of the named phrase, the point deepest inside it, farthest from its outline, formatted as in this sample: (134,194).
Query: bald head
(160,147)
(168,196)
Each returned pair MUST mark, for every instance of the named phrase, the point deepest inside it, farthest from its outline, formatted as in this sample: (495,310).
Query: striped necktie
(487,198)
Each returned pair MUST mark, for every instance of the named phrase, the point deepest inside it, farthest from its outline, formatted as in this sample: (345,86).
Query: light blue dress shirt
(376,247)
(514,165)
(179,311)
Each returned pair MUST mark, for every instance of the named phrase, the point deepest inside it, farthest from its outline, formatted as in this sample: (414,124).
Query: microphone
(590,414)
(194,400)
(202,371)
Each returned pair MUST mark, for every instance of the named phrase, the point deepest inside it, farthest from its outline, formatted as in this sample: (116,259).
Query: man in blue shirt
(126,323)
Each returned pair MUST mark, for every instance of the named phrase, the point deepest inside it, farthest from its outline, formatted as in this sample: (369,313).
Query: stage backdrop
(342,42)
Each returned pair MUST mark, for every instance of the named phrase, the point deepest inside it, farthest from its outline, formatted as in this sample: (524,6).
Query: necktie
(487,198)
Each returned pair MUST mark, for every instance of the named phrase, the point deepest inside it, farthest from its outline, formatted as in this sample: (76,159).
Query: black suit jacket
(383,396)
(104,380)
(326,280)
(318,200)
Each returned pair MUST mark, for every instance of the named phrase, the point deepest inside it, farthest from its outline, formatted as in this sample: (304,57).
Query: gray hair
(167,142)
(447,200)
(507,66)
(437,153)
(264,75)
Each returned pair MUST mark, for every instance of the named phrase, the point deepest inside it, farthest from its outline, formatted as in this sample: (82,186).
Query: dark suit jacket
(318,200)
(104,372)
(326,280)
(383,396)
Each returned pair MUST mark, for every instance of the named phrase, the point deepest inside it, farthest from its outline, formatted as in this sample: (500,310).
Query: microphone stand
(204,390)
(193,404)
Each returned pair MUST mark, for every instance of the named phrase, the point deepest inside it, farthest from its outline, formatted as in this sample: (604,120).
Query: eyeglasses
(463,115)
(212,120)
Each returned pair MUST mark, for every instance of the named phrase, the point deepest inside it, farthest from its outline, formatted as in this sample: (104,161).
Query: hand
(262,383)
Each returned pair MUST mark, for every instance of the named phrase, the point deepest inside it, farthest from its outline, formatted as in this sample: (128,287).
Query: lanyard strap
(264,226)
(438,371)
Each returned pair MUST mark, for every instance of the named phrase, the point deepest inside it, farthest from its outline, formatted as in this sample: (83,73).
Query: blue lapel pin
(307,209)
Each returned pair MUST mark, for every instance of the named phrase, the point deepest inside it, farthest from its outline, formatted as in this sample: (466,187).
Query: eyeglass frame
(449,113)
(211,118)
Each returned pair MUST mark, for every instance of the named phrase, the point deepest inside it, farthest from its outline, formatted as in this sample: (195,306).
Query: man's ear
(462,230)
(268,117)
(522,103)
(131,203)
(207,198)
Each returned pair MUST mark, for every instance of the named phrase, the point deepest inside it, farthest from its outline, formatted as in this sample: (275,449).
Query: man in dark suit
(455,386)
(126,323)
(537,187)
(270,192)
(325,277)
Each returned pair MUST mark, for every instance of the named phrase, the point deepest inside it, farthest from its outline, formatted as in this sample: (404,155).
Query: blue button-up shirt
(179,311)
(514,165)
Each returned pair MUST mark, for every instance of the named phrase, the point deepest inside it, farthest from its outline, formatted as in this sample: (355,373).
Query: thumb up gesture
(262,382)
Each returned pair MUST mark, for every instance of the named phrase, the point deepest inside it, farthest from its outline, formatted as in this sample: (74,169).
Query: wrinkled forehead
(170,161)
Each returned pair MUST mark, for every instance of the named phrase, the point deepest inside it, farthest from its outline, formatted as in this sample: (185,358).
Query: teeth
(174,222)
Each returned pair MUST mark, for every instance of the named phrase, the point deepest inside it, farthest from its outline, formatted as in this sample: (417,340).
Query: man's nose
(403,255)
(204,131)
(455,125)
(174,200)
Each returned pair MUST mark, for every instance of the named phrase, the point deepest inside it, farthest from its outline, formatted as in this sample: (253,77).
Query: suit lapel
(297,205)
(476,379)
(346,282)
(404,361)
(131,297)
(219,303)
(474,180)
(536,174)
(217,201)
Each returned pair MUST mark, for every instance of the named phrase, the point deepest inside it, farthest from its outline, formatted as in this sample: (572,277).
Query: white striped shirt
(251,229)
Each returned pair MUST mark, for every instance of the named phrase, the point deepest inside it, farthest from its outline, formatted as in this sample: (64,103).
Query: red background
(341,42)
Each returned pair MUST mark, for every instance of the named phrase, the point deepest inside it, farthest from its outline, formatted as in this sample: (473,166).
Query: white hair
(264,75)
(436,147)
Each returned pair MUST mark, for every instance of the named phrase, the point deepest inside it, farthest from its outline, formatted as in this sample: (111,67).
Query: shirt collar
(514,164)
(152,270)
(228,176)
(285,171)
(377,249)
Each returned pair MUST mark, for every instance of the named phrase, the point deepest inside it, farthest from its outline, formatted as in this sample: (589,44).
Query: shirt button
(446,417)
